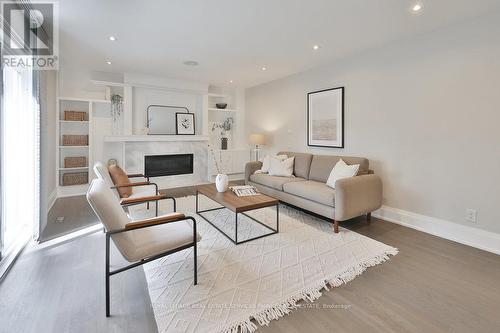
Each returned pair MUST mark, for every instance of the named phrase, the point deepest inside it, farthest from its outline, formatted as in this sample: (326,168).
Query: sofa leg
(369,217)
(336,226)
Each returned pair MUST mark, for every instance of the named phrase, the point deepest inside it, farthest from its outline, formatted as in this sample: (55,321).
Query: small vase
(223,143)
(221,182)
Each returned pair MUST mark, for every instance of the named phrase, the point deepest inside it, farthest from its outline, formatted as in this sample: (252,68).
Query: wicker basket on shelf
(75,178)
(75,162)
(75,140)
(75,115)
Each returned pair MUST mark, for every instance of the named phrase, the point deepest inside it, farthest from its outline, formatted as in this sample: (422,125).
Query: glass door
(19,169)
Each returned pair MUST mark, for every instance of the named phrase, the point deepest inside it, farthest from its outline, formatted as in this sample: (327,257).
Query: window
(19,159)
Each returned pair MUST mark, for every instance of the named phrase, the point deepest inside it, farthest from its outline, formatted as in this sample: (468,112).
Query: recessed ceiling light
(112,38)
(264,68)
(316,47)
(190,63)
(108,62)
(416,8)
(230,81)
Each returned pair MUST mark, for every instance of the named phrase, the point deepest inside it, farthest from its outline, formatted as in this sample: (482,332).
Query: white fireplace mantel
(154,138)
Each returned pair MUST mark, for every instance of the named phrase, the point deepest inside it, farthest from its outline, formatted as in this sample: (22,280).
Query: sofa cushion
(312,190)
(266,162)
(341,170)
(275,182)
(282,168)
(322,165)
(302,163)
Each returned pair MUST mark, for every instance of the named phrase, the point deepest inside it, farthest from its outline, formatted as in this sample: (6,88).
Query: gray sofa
(351,197)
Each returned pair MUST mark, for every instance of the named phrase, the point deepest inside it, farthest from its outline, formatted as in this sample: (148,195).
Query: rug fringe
(275,312)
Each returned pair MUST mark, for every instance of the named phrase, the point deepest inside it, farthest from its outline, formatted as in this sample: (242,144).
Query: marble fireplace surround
(134,152)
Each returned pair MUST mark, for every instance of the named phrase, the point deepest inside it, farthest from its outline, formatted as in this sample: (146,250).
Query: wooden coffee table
(238,205)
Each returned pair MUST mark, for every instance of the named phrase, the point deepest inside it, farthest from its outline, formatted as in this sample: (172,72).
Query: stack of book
(244,190)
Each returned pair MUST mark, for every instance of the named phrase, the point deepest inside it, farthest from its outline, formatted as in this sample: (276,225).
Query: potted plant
(225,127)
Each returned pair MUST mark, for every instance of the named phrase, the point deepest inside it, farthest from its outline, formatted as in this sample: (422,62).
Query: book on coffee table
(244,190)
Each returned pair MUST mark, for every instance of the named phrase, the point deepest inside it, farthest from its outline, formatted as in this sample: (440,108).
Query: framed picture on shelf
(325,118)
(184,123)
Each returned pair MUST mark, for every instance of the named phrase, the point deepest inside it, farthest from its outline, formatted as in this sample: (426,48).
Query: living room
(250,166)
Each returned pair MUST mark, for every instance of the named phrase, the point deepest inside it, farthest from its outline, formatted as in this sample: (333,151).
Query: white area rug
(263,279)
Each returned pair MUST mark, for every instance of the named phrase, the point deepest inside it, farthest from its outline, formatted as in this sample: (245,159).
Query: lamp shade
(257,139)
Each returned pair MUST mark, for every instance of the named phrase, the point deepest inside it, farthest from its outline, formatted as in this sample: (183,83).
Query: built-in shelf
(76,99)
(221,110)
(74,121)
(77,187)
(218,95)
(72,147)
(71,169)
(154,138)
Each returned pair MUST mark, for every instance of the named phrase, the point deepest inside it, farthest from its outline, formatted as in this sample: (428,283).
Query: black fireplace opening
(168,165)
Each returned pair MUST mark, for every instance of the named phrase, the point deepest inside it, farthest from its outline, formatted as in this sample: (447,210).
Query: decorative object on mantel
(221,180)
(258,140)
(161,119)
(221,105)
(116,114)
(184,123)
(325,118)
(225,127)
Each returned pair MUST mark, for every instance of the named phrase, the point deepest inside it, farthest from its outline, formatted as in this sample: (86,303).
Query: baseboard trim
(481,239)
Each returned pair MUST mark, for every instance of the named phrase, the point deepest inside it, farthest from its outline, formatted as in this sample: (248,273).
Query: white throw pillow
(281,168)
(341,170)
(266,162)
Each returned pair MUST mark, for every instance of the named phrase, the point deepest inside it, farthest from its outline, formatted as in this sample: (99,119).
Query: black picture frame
(310,142)
(179,130)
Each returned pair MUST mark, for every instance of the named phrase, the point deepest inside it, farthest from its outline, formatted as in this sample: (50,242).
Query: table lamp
(258,140)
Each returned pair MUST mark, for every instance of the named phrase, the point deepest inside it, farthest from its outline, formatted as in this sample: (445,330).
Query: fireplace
(168,165)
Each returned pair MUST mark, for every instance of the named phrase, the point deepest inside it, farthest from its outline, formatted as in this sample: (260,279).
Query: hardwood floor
(432,285)
(77,215)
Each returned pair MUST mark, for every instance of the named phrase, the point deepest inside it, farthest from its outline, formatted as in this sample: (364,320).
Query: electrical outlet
(60,219)
(471,215)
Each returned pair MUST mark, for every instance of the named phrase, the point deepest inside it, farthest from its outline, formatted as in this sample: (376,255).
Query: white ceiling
(233,39)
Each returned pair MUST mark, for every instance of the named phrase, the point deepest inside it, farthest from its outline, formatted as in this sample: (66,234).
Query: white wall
(76,82)
(425,112)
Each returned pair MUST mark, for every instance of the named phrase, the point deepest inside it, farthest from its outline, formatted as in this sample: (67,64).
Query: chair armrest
(136,175)
(173,217)
(128,201)
(132,184)
(356,196)
(250,169)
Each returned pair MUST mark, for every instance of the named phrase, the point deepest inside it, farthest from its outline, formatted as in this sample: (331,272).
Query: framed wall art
(184,123)
(325,118)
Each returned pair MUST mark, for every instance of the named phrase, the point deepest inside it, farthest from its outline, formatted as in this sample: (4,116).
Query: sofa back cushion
(302,163)
(322,165)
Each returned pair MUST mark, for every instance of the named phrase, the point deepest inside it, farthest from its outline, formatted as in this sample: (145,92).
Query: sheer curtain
(20,157)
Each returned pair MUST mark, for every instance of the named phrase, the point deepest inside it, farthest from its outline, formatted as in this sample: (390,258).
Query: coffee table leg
(197,201)
(278,217)
(236,229)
